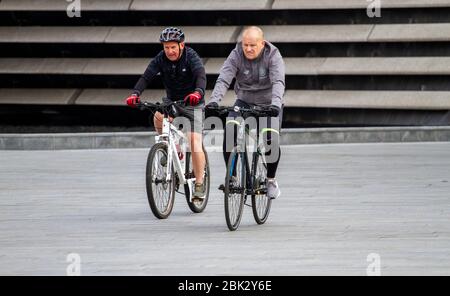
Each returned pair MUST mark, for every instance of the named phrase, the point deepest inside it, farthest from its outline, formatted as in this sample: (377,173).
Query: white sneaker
(273,191)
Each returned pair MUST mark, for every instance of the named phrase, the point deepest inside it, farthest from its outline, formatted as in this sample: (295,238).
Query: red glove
(133,100)
(193,99)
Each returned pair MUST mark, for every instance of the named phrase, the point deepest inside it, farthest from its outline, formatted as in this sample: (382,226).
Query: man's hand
(273,111)
(193,98)
(211,109)
(212,105)
(133,100)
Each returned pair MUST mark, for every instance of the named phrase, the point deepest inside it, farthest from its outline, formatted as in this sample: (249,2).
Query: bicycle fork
(247,176)
(172,159)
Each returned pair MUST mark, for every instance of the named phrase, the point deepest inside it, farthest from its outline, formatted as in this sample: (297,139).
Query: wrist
(200,91)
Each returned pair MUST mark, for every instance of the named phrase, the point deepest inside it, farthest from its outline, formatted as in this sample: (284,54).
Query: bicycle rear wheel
(197,207)
(234,190)
(160,193)
(260,202)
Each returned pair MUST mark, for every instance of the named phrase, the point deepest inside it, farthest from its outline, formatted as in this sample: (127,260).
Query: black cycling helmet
(171,34)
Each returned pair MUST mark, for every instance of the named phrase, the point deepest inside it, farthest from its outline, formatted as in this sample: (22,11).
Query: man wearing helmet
(184,77)
(259,70)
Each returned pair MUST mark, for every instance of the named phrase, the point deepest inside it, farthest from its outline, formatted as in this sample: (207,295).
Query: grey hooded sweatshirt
(259,81)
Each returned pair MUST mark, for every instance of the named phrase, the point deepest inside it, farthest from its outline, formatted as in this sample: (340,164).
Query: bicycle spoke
(236,196)
(261,203)
(160,187)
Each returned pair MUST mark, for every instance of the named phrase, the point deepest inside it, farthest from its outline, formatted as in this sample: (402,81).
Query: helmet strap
(179,51)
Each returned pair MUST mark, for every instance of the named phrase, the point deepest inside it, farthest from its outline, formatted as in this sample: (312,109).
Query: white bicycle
(166,170)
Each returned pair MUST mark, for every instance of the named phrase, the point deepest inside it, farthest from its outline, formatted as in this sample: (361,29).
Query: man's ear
(182,45)
(263,43)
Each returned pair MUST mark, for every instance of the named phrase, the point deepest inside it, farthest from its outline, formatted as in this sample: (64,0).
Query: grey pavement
(339,203)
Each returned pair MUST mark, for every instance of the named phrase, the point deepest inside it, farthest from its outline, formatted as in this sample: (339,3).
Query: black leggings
(271,138)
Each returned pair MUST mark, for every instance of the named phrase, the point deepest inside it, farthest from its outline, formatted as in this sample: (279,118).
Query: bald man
(258,68)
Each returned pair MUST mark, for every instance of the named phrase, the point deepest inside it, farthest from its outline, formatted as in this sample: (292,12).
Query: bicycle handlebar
(258,111)
(255,110)
(160,107)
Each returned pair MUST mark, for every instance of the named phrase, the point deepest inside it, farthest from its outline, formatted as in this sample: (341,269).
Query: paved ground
(339,204)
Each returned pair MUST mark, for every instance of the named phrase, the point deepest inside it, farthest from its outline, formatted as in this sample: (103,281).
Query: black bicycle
(243,180)
(166,170)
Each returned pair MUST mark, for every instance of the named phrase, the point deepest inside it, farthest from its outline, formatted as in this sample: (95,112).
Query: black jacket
(180,78)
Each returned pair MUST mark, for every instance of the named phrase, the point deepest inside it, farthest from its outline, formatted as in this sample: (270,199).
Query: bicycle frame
(170,135)
(241,146)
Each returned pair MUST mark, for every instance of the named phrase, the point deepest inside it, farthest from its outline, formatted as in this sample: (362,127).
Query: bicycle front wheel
(260,202)
(160,192)
(234,190)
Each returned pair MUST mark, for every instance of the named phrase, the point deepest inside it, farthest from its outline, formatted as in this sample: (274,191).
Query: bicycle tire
(260,213)
(194,208)
(233,210)
(152,192)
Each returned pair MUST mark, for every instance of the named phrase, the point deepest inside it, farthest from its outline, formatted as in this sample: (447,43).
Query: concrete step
(57,5)
(354,4)
(406,100)
(28,96)
(117,96)
(358,33)
(437,32)
(202,17)
(140,5)
(192,5)
(294,66)
(103,34)
(99,97)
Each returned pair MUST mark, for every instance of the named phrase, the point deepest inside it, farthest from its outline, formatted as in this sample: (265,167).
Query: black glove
(211,109)
(273,111)
(212,105)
